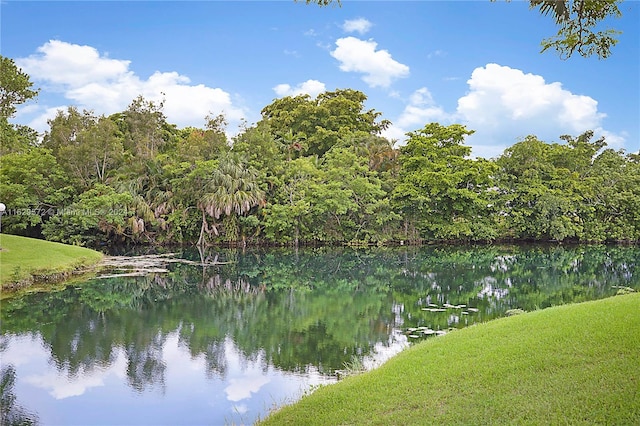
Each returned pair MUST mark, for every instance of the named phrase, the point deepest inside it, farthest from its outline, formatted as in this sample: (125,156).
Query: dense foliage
(310,171)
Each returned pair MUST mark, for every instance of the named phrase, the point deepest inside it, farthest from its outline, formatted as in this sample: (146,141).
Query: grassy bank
(24,261)
(573,364)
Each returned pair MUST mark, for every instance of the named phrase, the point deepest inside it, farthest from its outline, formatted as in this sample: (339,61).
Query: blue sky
(471,62)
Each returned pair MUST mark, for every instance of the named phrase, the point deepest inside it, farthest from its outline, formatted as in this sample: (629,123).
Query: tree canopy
(15,87)
(310,171)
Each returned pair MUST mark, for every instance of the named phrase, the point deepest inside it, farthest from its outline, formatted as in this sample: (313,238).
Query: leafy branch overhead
(578,24)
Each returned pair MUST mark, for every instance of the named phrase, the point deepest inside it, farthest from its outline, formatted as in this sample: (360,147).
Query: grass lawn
(22,258)
(572,364)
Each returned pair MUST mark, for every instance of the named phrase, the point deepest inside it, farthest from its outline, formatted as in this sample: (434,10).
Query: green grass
(23,259)
(573,364)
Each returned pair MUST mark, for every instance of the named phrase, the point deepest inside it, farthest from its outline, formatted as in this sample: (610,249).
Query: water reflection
(224,344)
(11,412)
(184,394)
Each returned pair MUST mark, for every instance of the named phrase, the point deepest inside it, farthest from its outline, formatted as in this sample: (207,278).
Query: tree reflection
(12,413)
(145,367)
(300,309)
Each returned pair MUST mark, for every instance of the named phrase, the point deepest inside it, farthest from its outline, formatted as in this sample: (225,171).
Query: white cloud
(503,105)
(435,53)
(359,25)
(394,94)
(91,80)
(61,388)
(420,110)
(310,87)
(421,96)
(614,140)
(395,133)
(41,115)
(25,110)
(361,56)
(501,94)
(64,63)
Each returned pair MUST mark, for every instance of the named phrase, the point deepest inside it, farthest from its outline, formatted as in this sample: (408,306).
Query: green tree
(149,182)
(144,128)
(379,151)
(287,215)
(350,204)
(442,193)
(16,138)
(231,190)
(203,144)
(188,182)
(263,153)
(539,190)
(15,87)
(577,20)
(611,199)
(88,147)
(150,144)
(33,186)
(313,126)
(333,199)
(100,215)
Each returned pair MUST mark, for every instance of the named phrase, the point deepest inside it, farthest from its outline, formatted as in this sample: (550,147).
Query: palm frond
(557,8)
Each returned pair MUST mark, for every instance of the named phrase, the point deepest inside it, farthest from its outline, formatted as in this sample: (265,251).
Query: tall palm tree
(232,190)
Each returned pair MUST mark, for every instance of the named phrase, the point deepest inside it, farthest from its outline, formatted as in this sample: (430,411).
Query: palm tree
(232,190)
(152,196)
(559,9)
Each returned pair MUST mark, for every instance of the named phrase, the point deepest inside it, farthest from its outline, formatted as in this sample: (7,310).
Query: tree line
(310,171)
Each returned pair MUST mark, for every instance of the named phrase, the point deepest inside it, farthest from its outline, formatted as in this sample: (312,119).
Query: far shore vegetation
(310,171)
(27,261)
(571,364)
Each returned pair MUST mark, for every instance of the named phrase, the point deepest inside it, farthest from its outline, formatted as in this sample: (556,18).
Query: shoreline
(541,366)
(27,263)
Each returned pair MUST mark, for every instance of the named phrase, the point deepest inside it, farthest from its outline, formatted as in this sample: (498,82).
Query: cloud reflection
(249,375)
(60,386)
(242,387)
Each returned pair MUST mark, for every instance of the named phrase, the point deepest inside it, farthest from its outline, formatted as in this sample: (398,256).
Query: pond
(226,343)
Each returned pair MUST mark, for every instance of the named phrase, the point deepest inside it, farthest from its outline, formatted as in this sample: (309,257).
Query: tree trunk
(202,229)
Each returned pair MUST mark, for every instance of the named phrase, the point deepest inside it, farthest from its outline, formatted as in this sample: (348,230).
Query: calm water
(225,344)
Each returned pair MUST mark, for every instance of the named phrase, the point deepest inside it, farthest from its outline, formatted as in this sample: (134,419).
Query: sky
(476,63)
